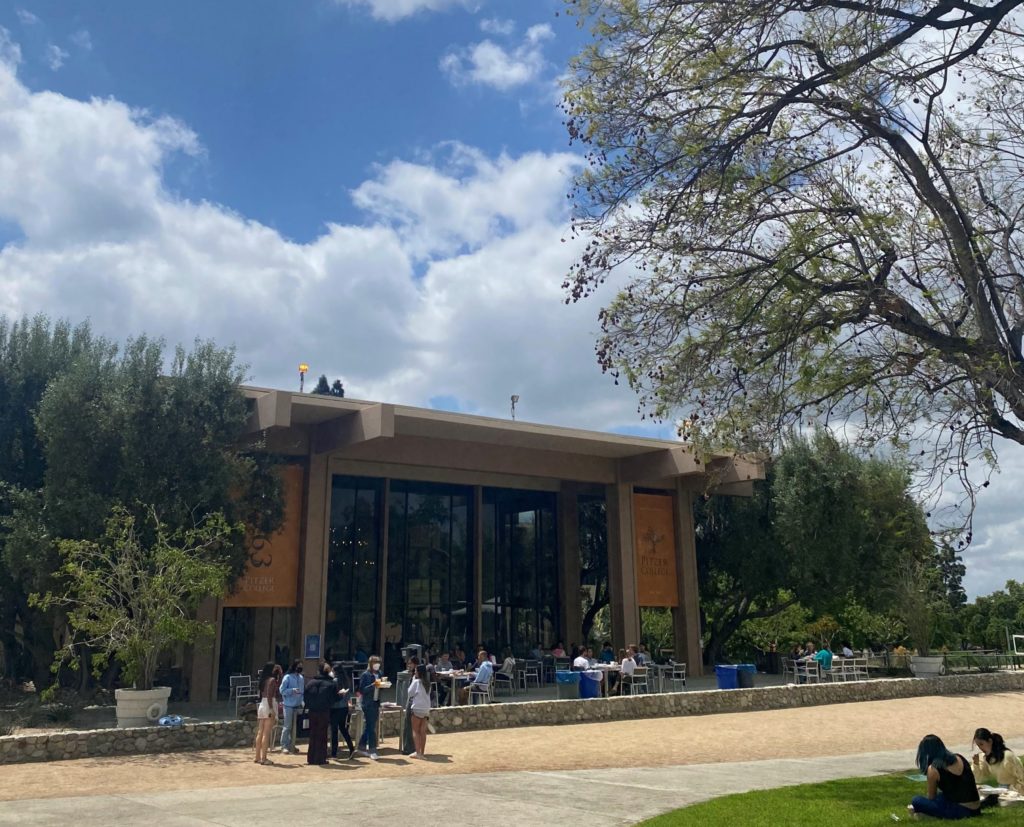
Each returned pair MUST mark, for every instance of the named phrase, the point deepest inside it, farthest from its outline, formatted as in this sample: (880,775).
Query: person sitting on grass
(952,791)
(1000,764)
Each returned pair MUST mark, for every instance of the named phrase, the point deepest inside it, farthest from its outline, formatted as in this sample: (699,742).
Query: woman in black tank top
(952,791)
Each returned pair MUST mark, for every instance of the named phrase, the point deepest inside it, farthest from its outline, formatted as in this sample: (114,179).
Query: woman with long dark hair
(1000,764)
(952,791)
(419,709)
(266,712)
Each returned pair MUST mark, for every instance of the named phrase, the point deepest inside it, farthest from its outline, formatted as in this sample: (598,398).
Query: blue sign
(312,647)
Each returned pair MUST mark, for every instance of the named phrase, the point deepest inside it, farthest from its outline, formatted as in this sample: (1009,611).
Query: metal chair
(638,682)
(503,679)
(236,683)
(678,676)
(248,694)
(484,693)
(531,672)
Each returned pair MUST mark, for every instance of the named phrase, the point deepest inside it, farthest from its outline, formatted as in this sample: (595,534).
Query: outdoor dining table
(661,671)
(605,669)
(454,677)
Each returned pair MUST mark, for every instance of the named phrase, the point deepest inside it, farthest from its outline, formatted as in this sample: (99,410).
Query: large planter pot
(927,666)
(141,707)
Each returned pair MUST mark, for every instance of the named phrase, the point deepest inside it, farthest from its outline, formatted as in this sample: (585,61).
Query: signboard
(312,648)
(655,545)
(271,576)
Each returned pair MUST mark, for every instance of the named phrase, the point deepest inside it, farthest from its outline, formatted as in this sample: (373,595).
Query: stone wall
(65,745)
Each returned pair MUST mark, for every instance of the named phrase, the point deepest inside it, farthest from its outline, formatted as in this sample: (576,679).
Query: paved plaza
(608,773)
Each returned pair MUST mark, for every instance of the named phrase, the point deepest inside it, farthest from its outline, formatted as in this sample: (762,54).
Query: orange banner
(655,543)
(271,577)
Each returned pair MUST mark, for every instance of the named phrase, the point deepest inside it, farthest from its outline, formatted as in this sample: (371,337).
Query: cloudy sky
(375,187)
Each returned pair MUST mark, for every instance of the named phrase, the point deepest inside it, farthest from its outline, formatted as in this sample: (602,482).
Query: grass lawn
(852,801)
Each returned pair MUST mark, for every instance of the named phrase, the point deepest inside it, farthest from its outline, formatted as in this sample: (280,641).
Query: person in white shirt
(847,651)
(628,667)
(582,663)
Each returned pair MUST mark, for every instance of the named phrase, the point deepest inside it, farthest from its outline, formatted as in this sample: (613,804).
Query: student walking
(369,695)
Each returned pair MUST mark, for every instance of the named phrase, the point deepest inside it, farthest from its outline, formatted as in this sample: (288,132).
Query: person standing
(266,712)
(292,688)
(419,710)
(369,695)
(318,696)
(340,716)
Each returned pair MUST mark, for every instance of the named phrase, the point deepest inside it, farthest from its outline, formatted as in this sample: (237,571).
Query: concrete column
(383,532)
(313,594)
(206,656)
(622,565)
(571,616)
(686,618)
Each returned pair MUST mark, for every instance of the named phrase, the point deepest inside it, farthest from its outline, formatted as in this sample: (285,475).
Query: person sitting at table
(581,662)
(482,677)
(537,652)
(643,657)
(627,668)
(508,663)
(607,653)
(1000,764)
(444,663)
(824,658)
(559,650)
(458,658)
(847,650)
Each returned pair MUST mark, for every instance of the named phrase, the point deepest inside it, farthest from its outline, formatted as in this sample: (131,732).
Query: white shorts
(266,710)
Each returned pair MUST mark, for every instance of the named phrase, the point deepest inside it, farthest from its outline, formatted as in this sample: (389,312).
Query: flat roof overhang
(334,424)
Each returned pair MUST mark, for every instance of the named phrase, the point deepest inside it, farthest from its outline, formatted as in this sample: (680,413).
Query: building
(407,525)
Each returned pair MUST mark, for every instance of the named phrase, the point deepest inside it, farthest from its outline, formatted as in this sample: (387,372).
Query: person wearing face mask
(369,692)
(292,688)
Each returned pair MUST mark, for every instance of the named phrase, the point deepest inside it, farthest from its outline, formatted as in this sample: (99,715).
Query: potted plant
(917,604)
(132,595)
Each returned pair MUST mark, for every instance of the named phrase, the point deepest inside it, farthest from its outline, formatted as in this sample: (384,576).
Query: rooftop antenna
(303,370)
(515,401)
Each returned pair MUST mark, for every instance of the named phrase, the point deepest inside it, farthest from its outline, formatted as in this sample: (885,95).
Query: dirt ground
(792,733)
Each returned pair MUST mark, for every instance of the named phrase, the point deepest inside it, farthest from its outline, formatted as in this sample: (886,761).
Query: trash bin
(726,675)
(590,685)
(567,684)
(745,675)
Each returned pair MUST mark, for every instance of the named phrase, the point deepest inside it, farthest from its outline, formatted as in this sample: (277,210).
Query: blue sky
(295,102)
(374,187)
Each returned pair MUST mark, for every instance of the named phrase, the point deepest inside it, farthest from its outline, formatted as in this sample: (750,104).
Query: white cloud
(497,25)
(392,10)
(55,56)
(449,288)
(83,40)
(26,17)
(490,64)
(10,51)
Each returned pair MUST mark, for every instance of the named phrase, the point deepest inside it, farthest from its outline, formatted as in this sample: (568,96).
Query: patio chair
(678,676)
(638,681)
(482,693)
(249,694)
(532,672)
(237,683)
(788,668)
(809,670)
(503,679)
(841,671)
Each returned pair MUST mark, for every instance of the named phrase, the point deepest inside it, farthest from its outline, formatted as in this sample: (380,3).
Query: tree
(825,527)
(987,621)
(593,528)
(817,204)
(133,600)
(103,426)
(322,387)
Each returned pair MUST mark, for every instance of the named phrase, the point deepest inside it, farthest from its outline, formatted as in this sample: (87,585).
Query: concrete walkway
(591,797)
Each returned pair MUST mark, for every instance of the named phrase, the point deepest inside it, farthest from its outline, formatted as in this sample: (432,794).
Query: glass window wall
(352,568)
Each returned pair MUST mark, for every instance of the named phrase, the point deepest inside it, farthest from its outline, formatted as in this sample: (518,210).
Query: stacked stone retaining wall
(226,734)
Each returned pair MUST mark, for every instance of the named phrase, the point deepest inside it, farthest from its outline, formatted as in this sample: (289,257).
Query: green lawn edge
(849,801)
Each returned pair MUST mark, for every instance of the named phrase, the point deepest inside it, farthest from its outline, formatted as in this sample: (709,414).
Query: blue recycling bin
(745,675)
(567,684)
(590,685)
(727,676)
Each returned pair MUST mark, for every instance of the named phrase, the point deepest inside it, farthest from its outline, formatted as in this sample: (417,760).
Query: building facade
(407,525)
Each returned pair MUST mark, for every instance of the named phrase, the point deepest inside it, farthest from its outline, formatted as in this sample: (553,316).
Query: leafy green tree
(133,599)
(322,387)
(987,620)
(780,631)
(815,209)
(106,427)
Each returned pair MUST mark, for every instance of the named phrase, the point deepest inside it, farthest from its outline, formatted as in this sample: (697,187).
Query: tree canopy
(815,209)
(92,426)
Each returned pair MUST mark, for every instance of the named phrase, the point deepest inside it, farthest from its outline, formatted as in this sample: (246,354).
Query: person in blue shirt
(369,694)
(484,673)
(292,688)
(607,653)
